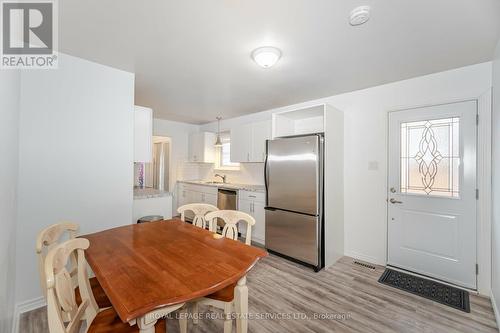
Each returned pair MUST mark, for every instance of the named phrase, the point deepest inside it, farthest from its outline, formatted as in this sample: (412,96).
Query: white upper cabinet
(241,143)
(261,132)
(248,142)
(143,134)
(309,120)
(201,147)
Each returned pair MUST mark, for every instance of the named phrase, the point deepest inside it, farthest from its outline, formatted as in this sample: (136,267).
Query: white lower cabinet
(259,214)
(253,203)
(189,193)
(208,198)
(184,195)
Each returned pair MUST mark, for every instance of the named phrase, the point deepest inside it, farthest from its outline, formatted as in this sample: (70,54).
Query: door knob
(394,201)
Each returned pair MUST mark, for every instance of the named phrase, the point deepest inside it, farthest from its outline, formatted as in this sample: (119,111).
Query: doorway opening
(156,174)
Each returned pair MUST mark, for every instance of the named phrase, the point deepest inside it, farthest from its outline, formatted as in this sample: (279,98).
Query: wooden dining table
(150,269)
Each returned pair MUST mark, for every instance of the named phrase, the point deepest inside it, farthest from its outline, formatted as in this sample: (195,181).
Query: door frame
(483,184)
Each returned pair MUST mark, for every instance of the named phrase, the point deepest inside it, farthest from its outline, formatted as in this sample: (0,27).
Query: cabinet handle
(252,196)
(248,157)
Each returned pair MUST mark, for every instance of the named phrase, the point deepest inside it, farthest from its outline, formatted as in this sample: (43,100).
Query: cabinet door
(195,197)
(210,198)
(191,197)
(195,147)
(259,229)
(201,147)
(261,132)
(182,198)
(246,207)
(208,147)
(143,134)
(241,143)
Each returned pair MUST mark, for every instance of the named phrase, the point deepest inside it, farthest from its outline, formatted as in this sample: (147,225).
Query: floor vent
(364,265)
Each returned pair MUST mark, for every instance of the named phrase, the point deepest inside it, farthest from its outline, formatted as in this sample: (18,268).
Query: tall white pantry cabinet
(323,118)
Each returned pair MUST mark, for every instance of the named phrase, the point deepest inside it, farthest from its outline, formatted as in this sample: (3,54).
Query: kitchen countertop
(246,187)
(148,192)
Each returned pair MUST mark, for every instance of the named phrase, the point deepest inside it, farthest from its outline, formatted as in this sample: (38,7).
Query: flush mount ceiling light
(359,15)
(266,56)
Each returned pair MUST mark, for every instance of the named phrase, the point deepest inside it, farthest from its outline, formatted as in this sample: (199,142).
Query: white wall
(179,135)
(76,155)
(9,148)
(495,228)
(365,139)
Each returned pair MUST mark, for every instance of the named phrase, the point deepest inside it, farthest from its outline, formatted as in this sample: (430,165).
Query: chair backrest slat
(60,293)
(199,210)
(231,219)
(46,240)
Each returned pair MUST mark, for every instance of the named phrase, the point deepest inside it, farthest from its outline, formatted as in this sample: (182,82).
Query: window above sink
(223,154)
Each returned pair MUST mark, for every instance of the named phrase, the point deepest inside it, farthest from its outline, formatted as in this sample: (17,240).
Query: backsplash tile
(249,173)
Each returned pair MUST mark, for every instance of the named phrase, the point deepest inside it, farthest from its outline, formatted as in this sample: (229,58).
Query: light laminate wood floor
(344,298)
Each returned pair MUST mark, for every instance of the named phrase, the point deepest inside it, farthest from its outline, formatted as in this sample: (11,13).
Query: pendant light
(218,142)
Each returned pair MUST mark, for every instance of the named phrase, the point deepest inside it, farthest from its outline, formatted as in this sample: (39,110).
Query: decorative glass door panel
(430,157)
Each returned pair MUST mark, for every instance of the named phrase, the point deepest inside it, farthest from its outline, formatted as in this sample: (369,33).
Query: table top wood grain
(143,267)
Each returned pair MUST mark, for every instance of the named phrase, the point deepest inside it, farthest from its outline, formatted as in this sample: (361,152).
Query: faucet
(221,176)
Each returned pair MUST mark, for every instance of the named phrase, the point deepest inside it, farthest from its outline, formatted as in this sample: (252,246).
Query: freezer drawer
(294,235)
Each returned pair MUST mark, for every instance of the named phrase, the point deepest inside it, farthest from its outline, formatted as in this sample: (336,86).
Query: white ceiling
(192,58)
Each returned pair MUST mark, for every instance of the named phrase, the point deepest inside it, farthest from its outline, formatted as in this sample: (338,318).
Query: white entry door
(432,192)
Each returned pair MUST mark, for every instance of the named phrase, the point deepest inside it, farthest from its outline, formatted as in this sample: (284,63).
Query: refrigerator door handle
(265,172)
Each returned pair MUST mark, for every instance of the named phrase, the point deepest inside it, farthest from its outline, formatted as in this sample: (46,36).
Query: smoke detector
(359,15)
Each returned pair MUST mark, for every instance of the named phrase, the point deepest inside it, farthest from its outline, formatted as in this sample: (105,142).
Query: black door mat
(435,291)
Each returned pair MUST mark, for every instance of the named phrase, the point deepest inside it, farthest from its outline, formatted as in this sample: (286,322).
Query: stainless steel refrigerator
(155,174)
(294,177)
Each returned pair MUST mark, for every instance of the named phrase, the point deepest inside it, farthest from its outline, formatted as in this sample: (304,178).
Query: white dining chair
(61,297)
(223,299)
(199,210)
(231,219)
(52,236)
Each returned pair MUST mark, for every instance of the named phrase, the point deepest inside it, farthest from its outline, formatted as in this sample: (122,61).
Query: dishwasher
(226,200)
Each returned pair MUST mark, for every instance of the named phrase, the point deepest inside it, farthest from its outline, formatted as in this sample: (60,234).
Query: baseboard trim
(370,259)
(258,243)
(26,306)
(495,310)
